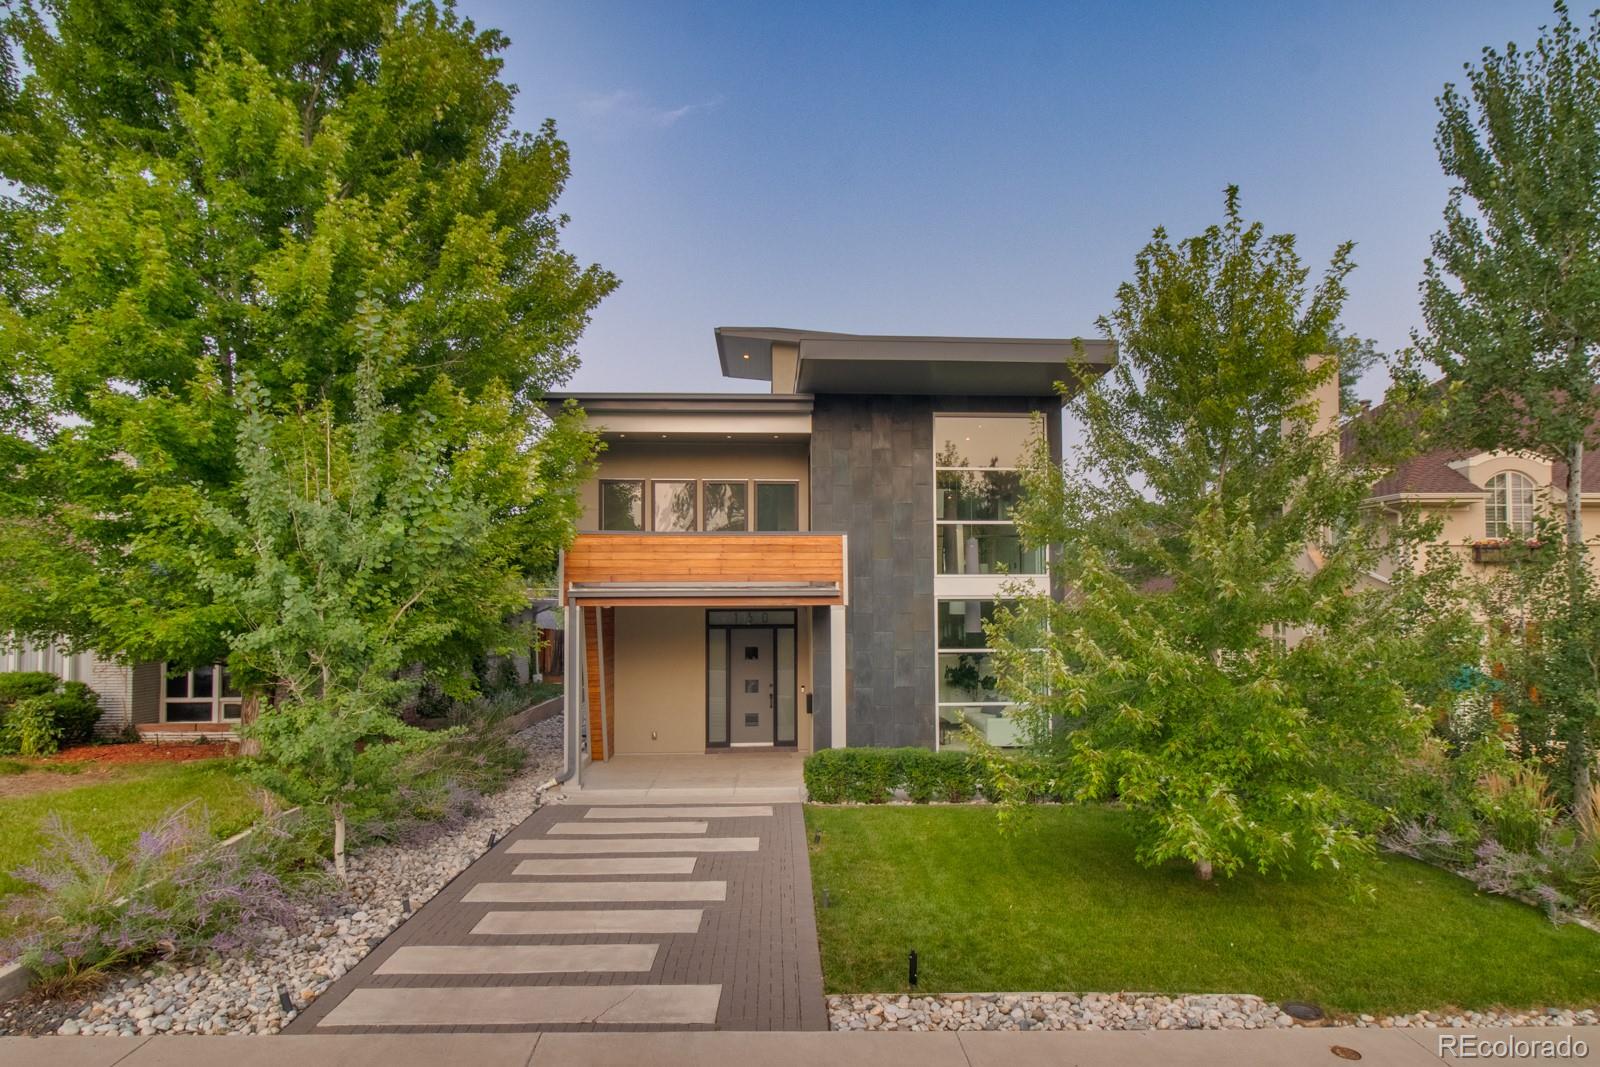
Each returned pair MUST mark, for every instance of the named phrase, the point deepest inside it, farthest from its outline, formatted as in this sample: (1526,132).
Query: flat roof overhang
(693,416)
(704,594)
(935,366)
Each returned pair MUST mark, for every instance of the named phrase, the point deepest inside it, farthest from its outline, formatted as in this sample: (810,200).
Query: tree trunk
(249,711)
(1577,740)
(1202,870)
(338,844)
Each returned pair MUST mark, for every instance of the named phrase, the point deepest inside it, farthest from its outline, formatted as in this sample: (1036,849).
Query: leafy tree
(362,545)
(1512,292)
(201,194)
(1224,661)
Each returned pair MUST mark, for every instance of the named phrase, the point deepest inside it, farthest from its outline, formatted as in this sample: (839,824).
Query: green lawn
(112,812)
(1062,906)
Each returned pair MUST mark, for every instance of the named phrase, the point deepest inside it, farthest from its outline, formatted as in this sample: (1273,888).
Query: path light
(493,837)
(826,903)
(816,839)
(405,906)
(283,1000)
(911,961)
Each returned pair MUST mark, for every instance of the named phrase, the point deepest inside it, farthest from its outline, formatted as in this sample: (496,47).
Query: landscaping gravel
(244,994)
(1137,1011)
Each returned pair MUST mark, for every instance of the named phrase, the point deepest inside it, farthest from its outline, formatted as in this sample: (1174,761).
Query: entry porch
(700,645)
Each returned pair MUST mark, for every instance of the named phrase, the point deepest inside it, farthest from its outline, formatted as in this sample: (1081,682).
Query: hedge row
(39,713)
(871,775)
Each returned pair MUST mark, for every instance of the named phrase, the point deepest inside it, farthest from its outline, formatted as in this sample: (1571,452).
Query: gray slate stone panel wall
(872,478)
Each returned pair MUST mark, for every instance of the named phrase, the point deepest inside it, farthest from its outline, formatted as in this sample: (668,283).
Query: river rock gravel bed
(245,994)
(1138,1011)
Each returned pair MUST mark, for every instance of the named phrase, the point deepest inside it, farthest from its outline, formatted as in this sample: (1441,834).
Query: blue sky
(970,168)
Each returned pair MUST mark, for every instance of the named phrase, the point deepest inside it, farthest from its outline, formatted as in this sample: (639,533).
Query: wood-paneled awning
(709,569)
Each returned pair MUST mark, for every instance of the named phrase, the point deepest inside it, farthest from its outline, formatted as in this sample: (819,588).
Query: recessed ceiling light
(747,355)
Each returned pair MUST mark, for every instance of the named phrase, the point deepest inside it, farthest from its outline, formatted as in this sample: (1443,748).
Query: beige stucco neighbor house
(811,566)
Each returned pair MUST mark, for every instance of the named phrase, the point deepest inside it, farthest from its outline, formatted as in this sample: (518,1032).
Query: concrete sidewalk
(1208,1048)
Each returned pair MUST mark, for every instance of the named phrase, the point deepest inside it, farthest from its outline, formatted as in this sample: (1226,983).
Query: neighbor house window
(976,482)
(1510,505)
(777,506)
(968,688)
(205,694)
(723,505)
(672,504)
(621,505)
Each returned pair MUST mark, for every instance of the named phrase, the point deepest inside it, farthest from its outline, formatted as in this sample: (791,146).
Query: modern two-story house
(811,566)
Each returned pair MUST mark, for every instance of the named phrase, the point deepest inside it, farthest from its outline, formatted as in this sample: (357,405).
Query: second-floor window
(1510,505)
(976,482)
(715,505)
(622,505)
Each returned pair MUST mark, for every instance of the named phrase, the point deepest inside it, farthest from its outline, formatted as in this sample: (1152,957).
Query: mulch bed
(142,752)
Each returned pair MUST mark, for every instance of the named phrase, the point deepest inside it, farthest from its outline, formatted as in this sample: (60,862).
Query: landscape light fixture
(911,962)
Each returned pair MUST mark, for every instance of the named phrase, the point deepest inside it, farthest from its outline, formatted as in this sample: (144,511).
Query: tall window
(976,482)
(621,505)
(967,682)
(1510,505)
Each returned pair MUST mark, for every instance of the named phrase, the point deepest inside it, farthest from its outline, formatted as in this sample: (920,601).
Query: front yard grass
(1061,905)
(113,810)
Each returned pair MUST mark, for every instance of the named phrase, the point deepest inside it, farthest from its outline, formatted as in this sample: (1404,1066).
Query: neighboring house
(1487,503)
(193,704)
(810,567)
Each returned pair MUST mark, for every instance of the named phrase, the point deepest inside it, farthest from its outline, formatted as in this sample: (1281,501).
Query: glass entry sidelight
(750,678)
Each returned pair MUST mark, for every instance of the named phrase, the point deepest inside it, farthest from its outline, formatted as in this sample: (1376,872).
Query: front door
(752,684)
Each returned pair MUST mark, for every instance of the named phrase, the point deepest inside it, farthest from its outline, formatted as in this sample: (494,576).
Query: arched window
(1510,505)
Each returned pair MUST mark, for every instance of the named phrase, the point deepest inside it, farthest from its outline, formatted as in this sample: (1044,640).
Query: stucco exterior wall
(660,694)
(644,460)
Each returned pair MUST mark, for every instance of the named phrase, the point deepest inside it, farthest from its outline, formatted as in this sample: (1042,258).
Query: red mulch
(143,752)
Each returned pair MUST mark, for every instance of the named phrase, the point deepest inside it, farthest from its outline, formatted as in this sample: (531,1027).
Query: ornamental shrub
(39,713)
(176,894)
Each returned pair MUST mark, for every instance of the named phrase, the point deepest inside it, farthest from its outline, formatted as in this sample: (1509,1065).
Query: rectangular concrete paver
(621,921)
(603,827)
(586,892)
(544,846)
(525,1005)
(753,935)
(518,959)
(667,811)
(609,865)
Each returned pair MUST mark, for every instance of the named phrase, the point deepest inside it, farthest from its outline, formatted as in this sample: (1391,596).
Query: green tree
(363,544)
(1224,662)
(201,193)
(1512,292)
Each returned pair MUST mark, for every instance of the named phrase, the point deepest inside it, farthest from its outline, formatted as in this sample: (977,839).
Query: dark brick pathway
(759,944)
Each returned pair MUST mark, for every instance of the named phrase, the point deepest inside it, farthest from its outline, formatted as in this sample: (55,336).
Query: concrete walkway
(605,917)
(1234,1048)
(746,776)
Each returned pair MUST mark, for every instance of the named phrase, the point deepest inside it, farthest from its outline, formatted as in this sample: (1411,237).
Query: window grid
(1510,506)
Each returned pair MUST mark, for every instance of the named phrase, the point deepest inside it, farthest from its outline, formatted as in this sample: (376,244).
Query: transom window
(205,694)
(1510,505)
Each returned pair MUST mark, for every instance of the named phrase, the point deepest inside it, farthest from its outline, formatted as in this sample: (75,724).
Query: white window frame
(940,523)
(1501,509)
(219,703)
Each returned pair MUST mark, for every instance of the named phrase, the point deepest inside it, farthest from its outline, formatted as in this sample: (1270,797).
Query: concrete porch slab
(794,794)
